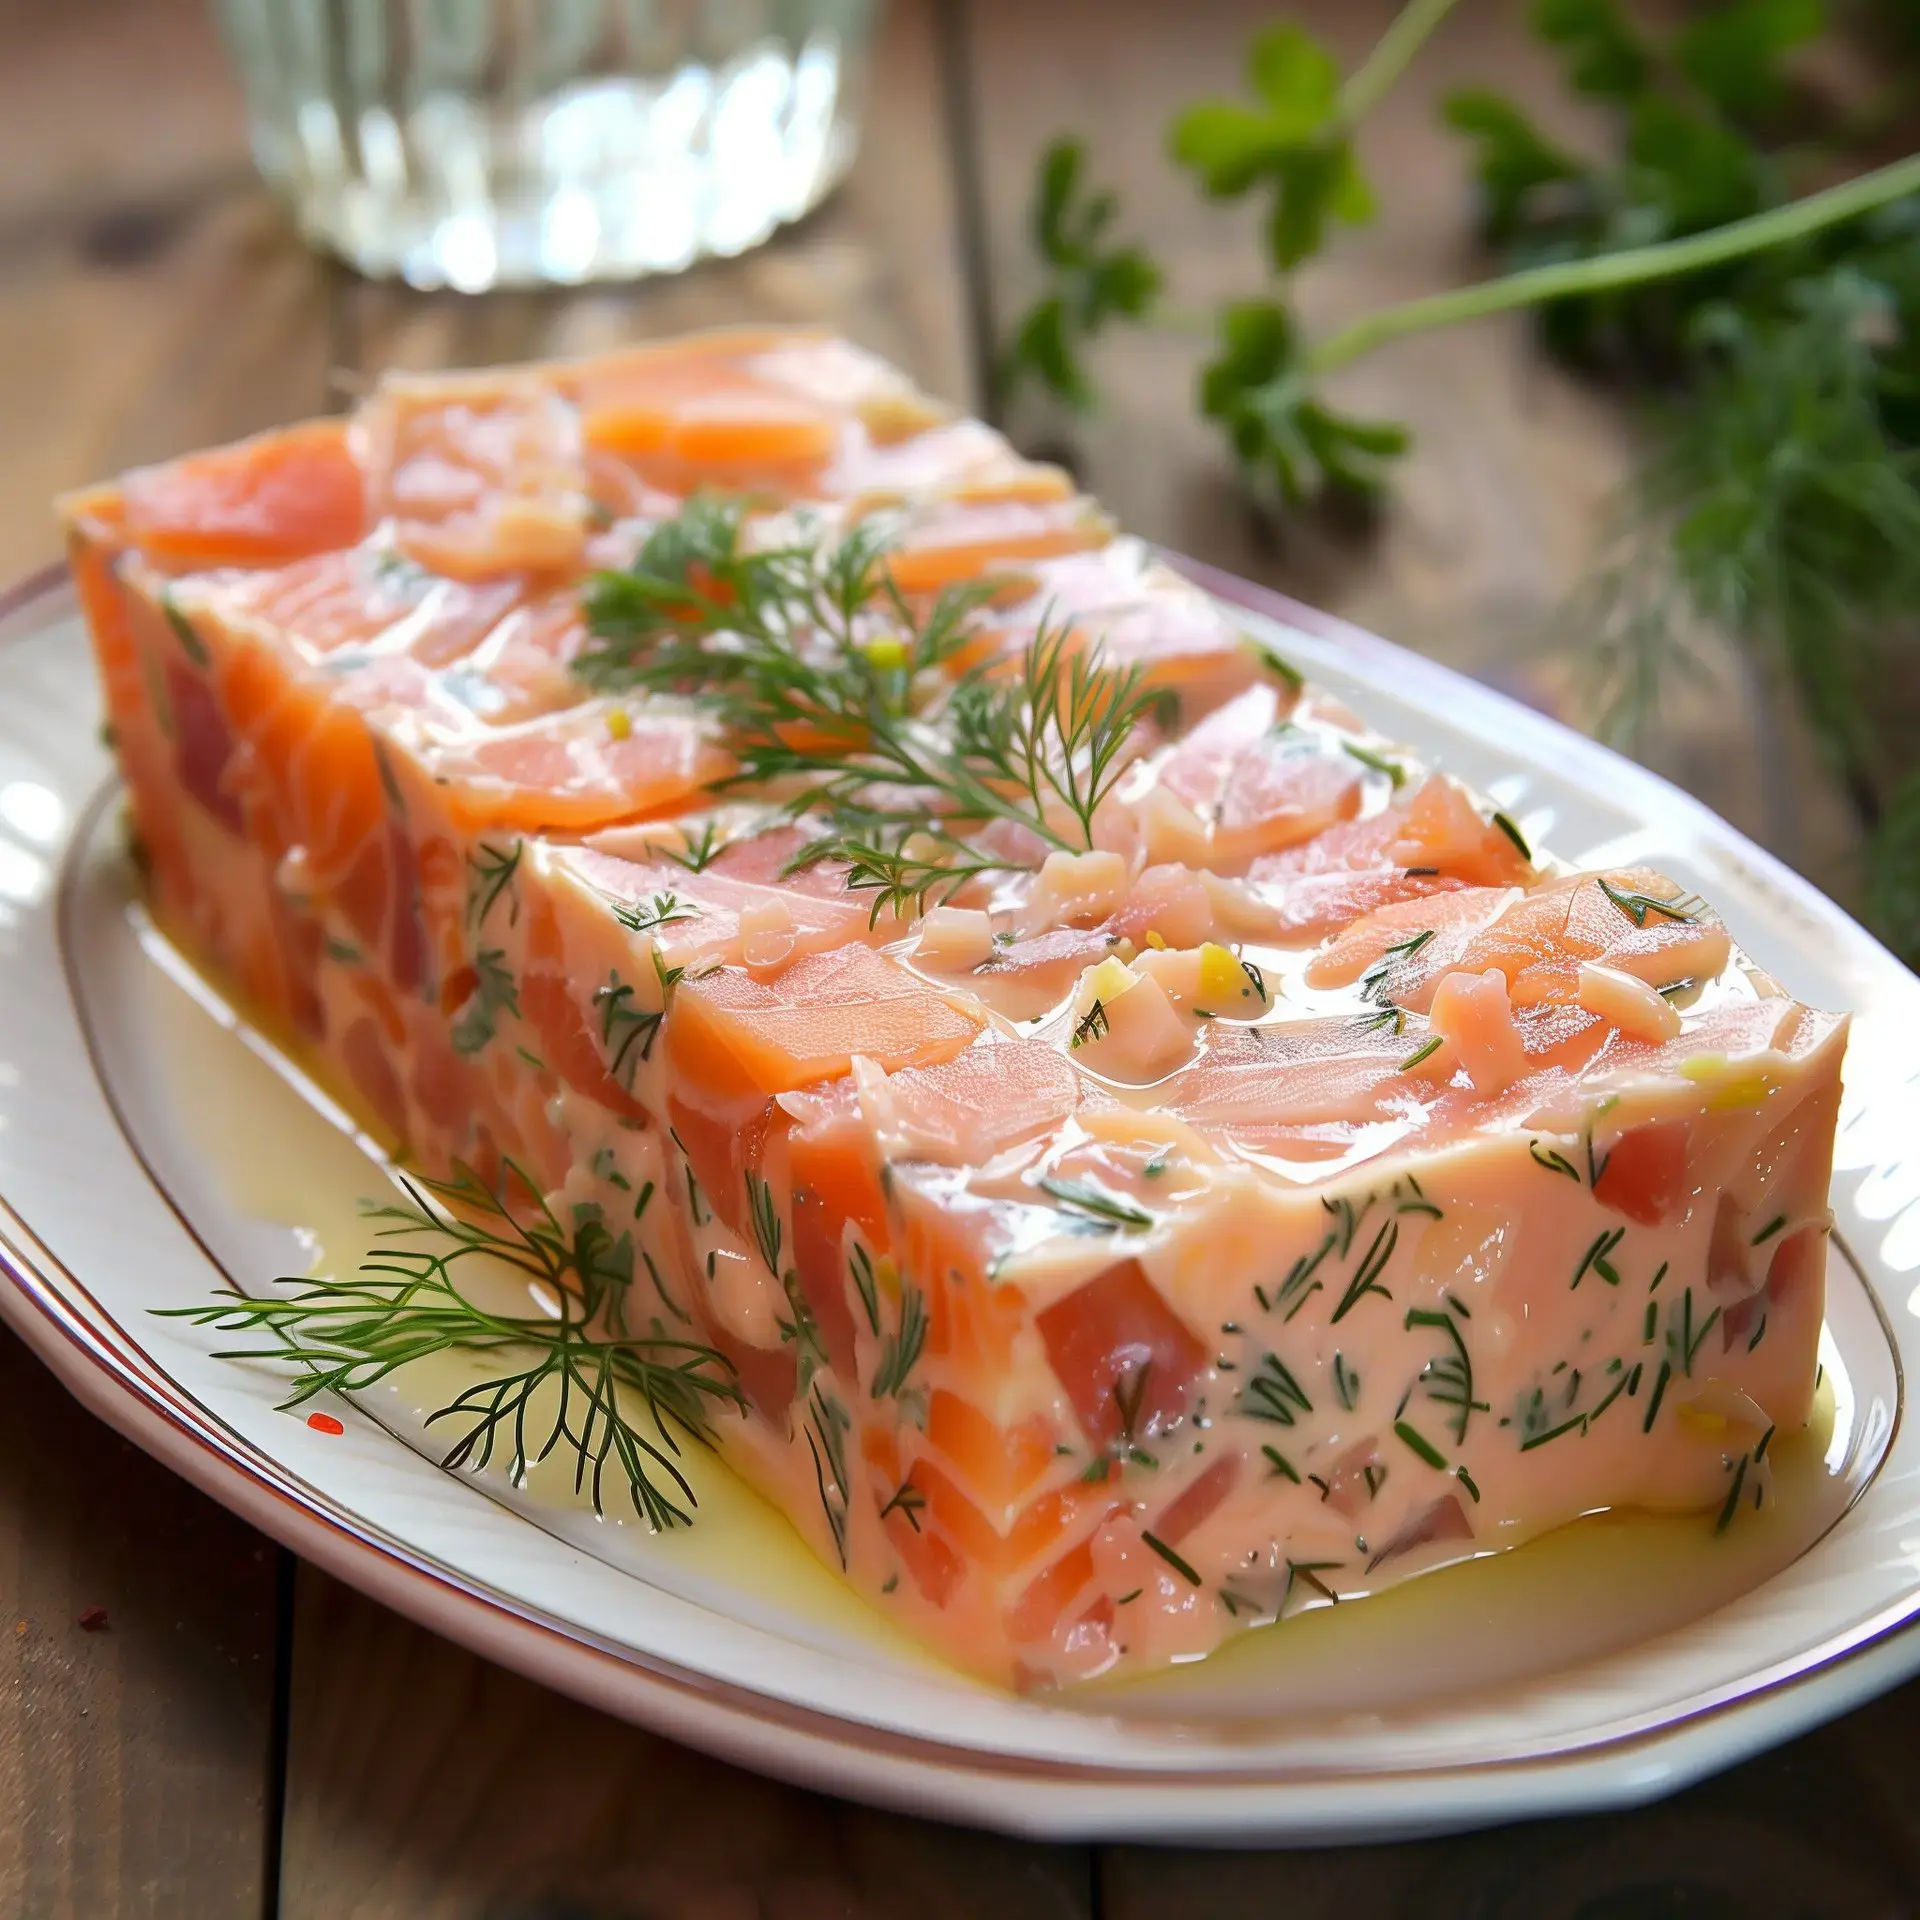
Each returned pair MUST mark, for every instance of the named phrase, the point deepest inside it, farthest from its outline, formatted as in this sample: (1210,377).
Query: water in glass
(483,143)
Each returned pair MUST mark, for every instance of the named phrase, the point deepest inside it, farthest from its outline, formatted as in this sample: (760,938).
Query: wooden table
(236,1734)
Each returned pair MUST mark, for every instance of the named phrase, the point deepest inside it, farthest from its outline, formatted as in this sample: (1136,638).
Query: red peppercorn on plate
(743,1058)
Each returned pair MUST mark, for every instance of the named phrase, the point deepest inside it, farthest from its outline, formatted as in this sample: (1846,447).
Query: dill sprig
(563,1374)
(663,910)
(832,685)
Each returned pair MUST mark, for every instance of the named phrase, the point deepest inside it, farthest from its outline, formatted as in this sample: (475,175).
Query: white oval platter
(112,1204)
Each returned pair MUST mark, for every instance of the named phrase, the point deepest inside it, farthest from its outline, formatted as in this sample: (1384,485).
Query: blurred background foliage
(1739,263)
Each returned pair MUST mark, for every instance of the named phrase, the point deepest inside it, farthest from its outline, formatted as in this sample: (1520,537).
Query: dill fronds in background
(1743,267)
(1779,500)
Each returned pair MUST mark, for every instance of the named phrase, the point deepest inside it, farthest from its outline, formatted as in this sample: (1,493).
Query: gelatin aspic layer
(1260,1189)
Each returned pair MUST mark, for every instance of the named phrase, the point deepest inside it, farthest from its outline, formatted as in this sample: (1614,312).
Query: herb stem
(1392,54)
(1632,266)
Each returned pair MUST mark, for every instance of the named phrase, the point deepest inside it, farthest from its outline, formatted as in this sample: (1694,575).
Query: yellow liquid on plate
(287,1156)
(1603,1583)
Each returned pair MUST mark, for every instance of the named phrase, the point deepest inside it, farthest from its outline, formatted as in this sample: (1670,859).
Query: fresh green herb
(1395,772)
(1660,1380)
(1307,1573)
(1172,1559)
(183,630)
(824,675)
(867,1285)
(1553,1160)
(564,1374)
(1449,1378)
(1684,1339)
(1129,1399)
(1282,670)
(1283,1468)
(1091,280)
(1636,906)
(627,1029)
(1093,1026)
(901,1353)
(1767,1232)
(490,872)
(1107,1208)
(494,993)
(1273,1394)
(763,1214)
(1420,1444)
(604,1166)
(1505,822)
(1293,1292)
(1376,982)
(1595,1259)
(1781,503)
(1422,1052)
(1366,1277)
(1414,1200)
(907,1501)
(698,854)
(1346,1383)
(1733,1496)
(663,910)
(828,1424)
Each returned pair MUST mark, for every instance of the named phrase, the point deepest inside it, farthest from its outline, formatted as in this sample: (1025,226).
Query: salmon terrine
(1139,1152)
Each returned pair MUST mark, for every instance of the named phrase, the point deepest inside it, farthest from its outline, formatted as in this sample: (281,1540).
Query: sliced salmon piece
(481,474)
(966,1110)
(363,598)
(570,771)
(1435,832)
(1127,1362)
(1306,907)
(1028,978)
(951,542)
(807,1024)
(1542,942)
(1409,944)
(260,502)
(1295,1073)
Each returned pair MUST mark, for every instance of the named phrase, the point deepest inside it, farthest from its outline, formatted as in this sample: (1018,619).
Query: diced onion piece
(1178,971)
(1173,831)
(1472,1014)
(766,934)
(1076,890)
(1138,1035)
(955,938)
(1630,1004)
(1104,982)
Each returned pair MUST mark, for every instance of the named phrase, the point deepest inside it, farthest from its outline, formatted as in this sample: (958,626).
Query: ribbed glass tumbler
(486,143)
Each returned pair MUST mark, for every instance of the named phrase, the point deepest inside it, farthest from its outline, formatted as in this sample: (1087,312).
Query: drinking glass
(486,143)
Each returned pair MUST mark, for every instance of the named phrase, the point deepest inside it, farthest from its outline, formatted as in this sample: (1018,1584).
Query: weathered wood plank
(1820,1830)
(134,1741)
(152,298)
(149,301)
(1499,513)
(425,1784)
